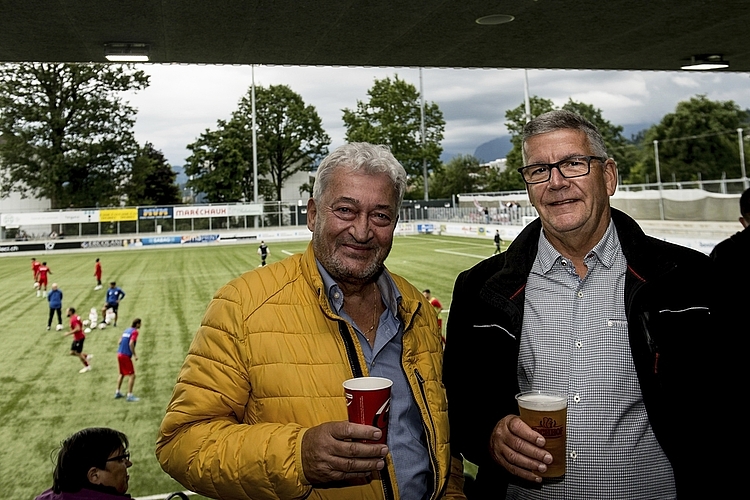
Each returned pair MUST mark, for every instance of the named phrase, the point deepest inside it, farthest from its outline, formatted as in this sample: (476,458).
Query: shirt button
(577,398)
(609,323)
(573,455)
(580,295)
(579,344)
(336,295)
(563,263)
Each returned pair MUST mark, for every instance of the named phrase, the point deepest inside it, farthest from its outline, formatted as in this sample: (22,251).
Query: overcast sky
(184,100)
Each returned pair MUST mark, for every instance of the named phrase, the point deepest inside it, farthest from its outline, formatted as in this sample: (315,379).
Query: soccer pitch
(44,398)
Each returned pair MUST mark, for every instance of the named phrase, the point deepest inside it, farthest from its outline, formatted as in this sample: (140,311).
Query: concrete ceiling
(573,34)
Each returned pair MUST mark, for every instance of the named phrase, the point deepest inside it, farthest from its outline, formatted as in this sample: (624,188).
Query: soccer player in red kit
(35,267)
(98,274)
(125,356)
(437,306)
(76,348)
(41,274)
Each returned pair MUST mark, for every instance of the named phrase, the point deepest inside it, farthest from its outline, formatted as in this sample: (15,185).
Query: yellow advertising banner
(118,215)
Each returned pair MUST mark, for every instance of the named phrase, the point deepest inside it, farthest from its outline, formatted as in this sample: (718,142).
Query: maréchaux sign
(201,211)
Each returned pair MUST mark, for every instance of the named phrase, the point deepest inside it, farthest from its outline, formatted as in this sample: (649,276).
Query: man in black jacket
(582,302)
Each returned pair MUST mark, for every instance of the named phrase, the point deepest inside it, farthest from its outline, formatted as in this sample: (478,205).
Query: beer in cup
(368,401)
(546,412)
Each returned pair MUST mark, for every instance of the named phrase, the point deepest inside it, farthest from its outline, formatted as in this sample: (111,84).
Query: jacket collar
(510,280)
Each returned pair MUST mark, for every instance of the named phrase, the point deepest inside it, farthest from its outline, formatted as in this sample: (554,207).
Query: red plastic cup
(368,401)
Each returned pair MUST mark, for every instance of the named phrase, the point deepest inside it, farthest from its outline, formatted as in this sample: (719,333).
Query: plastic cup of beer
(546,412)
(368,401)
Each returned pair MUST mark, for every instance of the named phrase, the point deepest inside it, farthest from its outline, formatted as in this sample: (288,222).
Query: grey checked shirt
(575,340)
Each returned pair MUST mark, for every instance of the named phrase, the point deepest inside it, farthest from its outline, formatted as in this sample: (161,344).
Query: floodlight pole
(255,140)
(658,180)
(424,143)
(742,161)
(255,146)
(526,95)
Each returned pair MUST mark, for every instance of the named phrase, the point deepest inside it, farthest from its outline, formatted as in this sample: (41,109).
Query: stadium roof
(580,34)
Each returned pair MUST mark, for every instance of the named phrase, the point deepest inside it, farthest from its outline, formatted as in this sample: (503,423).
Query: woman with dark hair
(92,465)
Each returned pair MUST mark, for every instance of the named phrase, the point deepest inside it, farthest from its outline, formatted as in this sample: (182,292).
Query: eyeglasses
(120,458)
(575,166)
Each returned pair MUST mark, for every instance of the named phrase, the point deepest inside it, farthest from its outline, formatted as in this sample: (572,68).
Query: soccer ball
(85,322)
(87,330)
(102,326)
(58,328)
(36,285)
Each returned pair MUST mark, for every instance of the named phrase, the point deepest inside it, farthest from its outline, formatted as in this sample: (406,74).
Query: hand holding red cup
(368,402)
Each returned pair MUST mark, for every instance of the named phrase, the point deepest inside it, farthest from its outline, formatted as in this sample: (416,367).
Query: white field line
(453,252)
(480,243)
(287,252)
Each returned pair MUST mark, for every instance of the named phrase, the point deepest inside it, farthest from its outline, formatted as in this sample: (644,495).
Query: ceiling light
(706,62)
(126,52)
(494,19)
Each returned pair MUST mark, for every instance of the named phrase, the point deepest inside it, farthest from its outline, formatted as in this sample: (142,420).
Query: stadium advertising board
(199,211)
(201,238)
(118,214)
(155,213)
(11,220)
(161,240)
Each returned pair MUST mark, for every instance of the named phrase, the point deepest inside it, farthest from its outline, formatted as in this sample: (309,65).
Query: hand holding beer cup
(520,448)
(368,402)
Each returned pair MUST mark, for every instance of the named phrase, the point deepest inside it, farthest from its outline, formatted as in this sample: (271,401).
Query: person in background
(98,274)
(92,464)
(732,258)
(263,251)
(438,308)
(42,273)
(35,269)
(125,356)
(583,302)
(55,298)
(259,409)
(76,348)
(497,240)
(112,300)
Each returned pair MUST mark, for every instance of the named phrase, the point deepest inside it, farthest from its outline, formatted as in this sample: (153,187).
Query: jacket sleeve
(205,441)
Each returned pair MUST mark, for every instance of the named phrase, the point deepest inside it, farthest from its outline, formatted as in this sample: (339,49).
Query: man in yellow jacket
(259,409)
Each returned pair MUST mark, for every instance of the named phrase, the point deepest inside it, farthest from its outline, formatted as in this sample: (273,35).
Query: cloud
(184,100)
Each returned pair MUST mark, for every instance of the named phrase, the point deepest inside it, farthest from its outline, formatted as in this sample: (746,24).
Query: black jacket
(672,326)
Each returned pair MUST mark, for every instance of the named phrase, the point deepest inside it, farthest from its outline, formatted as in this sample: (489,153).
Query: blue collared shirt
(406,439)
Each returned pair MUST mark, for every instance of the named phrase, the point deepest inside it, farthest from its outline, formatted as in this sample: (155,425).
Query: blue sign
(155,213)
(161,240)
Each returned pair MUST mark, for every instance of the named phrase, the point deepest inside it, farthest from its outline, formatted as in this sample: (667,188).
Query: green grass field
(45,399)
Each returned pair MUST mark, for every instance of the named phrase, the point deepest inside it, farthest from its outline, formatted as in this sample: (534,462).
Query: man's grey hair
(369,158)
(561,119)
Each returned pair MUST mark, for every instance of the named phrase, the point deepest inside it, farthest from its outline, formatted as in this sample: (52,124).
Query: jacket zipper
(351,354)
(430,433)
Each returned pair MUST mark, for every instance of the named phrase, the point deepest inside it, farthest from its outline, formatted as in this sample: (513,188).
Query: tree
(221,165)
(697,141)
(289,136)
(152,180)
(460,175)
(393,117)
(67,135)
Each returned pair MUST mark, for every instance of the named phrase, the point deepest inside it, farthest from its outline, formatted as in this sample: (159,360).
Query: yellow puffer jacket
(266,364)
